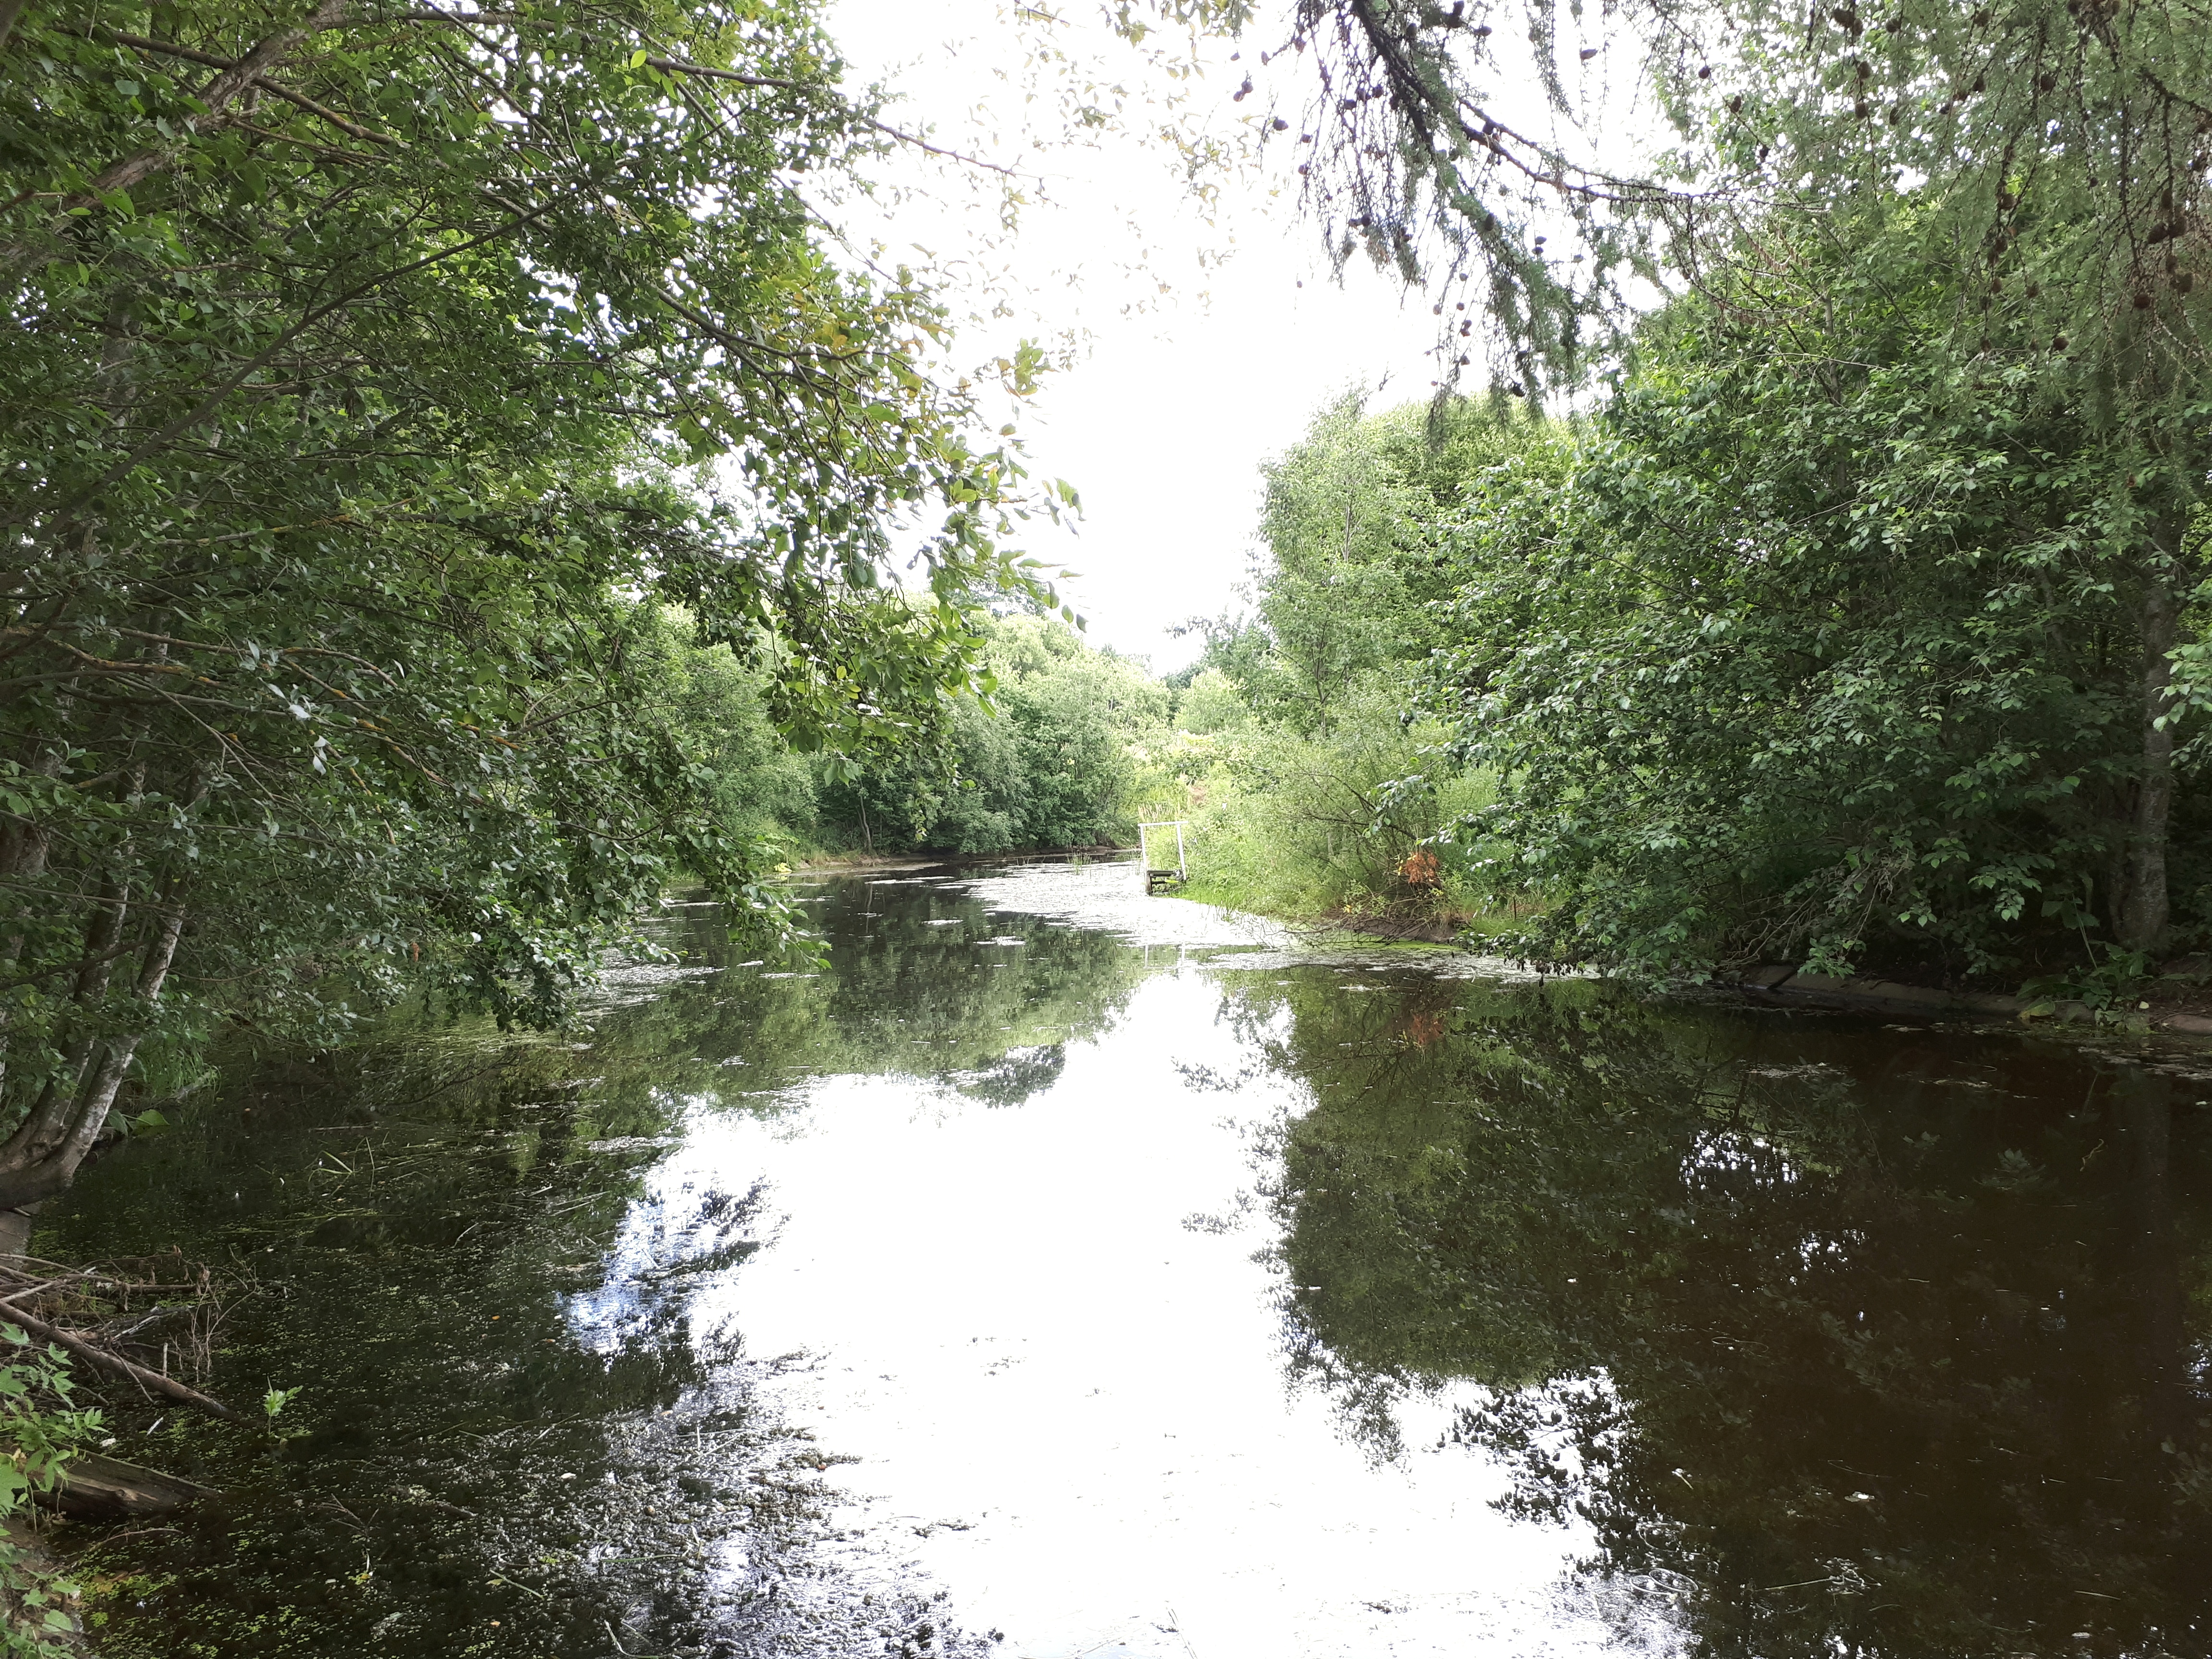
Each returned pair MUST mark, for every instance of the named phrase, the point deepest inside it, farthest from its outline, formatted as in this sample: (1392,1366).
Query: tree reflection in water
(510,1440)
(1843,1337)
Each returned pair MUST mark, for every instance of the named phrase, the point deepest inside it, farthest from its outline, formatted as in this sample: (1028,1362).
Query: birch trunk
(41,1159)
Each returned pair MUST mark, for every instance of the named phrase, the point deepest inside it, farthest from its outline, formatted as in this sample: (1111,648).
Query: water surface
(1063,1272)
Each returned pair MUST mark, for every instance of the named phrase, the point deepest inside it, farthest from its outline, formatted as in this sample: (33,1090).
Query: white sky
(1163,423)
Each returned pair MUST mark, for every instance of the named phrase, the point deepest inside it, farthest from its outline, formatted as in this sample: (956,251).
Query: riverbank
(1450,926)
(2182,1008)
(40,1572)
(2175,1002)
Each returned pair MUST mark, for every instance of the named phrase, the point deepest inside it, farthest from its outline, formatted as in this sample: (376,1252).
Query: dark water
(1014,1288)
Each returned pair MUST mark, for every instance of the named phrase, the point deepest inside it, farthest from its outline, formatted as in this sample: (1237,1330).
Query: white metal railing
(1145,848)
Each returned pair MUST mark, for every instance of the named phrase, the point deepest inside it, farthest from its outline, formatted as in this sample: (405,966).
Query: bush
(1051,762)
(43,1430)
(1345,823)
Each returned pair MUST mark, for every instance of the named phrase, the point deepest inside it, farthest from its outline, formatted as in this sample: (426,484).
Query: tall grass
(1348,824)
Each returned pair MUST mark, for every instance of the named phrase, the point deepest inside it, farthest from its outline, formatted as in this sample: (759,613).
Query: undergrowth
(43,1428)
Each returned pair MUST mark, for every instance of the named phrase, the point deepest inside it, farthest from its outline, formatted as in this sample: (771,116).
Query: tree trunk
(2141,922)
(41,1159)
(15,1229)
(46,1123)
(96,1488)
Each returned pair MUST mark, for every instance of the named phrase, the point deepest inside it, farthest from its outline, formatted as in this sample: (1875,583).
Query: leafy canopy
(1825,640)
(381,374)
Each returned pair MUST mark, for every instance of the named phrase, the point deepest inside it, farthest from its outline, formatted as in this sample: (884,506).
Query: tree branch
(342,123)
(76,1345)
(677,66)
(217,96)
(261,359)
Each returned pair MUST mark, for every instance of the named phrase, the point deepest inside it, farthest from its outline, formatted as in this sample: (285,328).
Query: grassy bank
(1341,828)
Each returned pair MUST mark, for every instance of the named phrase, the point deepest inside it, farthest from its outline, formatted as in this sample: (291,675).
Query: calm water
(1066,1272)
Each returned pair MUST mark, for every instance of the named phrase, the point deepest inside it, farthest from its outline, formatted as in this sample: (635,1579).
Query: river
(1062,1272)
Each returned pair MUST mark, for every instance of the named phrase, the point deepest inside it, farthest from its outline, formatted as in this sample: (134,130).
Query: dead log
(96,1488)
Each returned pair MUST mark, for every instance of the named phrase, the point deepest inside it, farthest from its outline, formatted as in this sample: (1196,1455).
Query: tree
(1077,712)
(1320,804)
(378,371)
(1353,564)
(1045,762)
(2048,157)
(1829,642)
(1211,702)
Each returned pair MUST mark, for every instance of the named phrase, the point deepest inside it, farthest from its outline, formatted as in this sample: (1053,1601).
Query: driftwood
(80,1310)
(115,1362)
(96,1488)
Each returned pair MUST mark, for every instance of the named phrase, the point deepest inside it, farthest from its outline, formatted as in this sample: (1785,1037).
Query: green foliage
(1049,760)
(40,1428)
(1947,355)
(758,788)
(1321,786)
(367,406)
(2109,984)
(1352,566)
(1825,645)
(1870,620)
(2062,143)
(1294,825)
(1210,703)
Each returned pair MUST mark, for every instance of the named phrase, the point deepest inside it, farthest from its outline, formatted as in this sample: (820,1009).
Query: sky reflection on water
(1068,1403)
(1067,1273)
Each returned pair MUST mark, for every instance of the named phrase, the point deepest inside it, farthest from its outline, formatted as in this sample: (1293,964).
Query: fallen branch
(84,1350)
